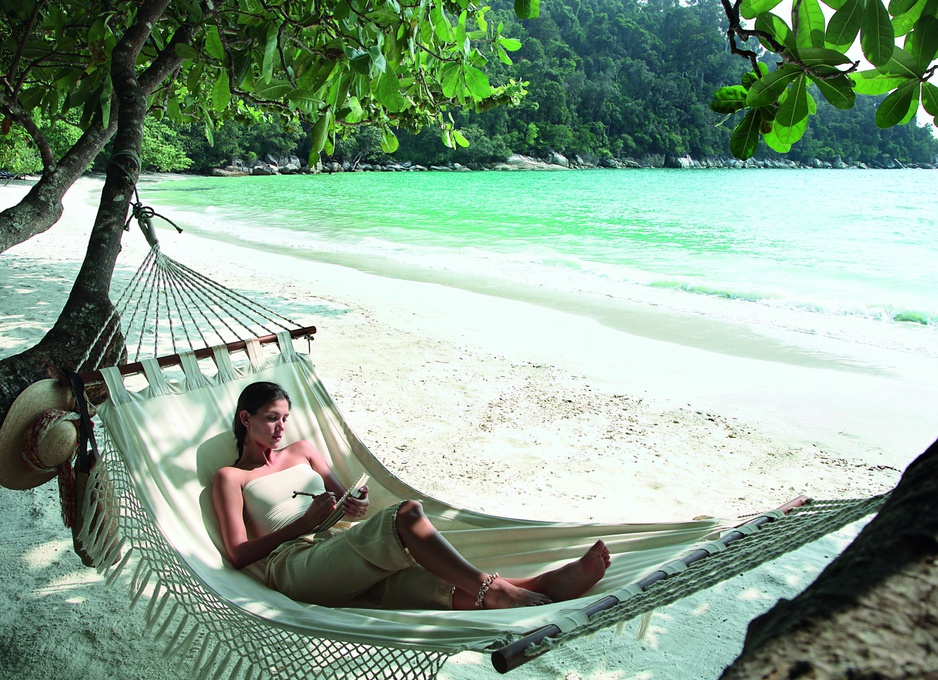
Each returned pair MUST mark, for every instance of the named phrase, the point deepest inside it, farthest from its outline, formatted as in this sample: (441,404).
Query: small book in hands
(339,511)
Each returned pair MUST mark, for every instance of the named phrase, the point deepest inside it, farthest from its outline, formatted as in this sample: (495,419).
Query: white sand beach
(507,407)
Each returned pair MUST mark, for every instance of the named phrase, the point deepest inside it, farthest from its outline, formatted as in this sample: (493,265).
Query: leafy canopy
(335,64)
(813,49)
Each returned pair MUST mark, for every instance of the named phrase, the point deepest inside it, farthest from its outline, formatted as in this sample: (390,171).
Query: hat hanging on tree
(39,434)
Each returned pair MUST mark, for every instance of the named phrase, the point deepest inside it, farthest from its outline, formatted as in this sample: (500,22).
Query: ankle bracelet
(484,588)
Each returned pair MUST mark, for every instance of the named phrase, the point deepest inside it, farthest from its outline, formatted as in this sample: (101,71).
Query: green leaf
(901,64)
(753,8)
(447,138)
(913,107)
(388,92)
(503,55)
(318,135)
(877,37)
(172,110)
(221,94)
(30,98)
(96,32)
(185,51)
(275,90)
(510,44)
(105,100)
(460,139)
(460,40)
(750,77)
(896,106)
(729,99)
(930,98)
(356,112)
(903,23)
(389,142)
(767,89)
(241,67)
(452,79)
(377,58)
(361,63)
(339,93)
(822,56)
(810,24)
(773,142)
(838,91)
(897,7)
(270,54)
(745,138)
(875,83)
(441,26)
(776,27)
(922,42)
(792,118)
(477,82)
(527,9)
(213,44)
(305,101)
(845,25)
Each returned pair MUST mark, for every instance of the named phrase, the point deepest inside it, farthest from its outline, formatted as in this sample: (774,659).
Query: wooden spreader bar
(173,359)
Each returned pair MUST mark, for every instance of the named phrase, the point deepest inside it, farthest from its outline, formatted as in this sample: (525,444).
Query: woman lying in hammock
(395,559)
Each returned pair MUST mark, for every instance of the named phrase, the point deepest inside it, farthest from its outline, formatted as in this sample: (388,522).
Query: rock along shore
(290,165)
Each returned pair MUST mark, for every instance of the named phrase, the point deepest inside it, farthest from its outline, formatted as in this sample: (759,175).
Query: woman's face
(267,425)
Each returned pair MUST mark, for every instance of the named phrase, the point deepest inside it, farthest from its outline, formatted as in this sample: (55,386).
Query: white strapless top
(269,500)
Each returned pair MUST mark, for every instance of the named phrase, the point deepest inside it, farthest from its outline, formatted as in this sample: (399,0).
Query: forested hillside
(626,78)
(607,79)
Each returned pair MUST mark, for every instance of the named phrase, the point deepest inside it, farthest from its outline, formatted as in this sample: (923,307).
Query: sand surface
(503,406)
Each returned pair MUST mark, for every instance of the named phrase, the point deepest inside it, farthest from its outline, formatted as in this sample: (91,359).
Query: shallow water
(845,253)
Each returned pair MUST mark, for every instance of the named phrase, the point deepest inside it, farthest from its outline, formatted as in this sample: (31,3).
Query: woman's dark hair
(252,398)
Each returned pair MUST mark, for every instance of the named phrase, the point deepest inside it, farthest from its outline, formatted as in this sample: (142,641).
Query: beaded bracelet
(484,588)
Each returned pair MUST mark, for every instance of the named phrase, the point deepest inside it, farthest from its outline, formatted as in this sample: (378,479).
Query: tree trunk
(89,308)
(873,613)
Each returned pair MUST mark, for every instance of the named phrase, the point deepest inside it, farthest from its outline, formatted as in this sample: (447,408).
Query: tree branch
(22,45)
(16,113)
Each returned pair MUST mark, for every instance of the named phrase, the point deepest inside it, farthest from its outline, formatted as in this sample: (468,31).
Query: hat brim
(15,472)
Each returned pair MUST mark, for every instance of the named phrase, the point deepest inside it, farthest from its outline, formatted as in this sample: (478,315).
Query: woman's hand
(321,507)
(356,505)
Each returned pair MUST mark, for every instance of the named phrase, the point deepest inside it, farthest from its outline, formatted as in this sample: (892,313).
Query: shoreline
(504,406)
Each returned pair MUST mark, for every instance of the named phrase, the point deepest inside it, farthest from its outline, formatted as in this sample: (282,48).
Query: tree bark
(873,613)
(89,308)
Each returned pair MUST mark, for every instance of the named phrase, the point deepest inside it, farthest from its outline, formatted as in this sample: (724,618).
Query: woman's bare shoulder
(303,450)
(230,475)
(300,449)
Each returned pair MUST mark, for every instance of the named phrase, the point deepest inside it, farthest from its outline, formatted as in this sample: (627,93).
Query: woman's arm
(228,503)
(355,508)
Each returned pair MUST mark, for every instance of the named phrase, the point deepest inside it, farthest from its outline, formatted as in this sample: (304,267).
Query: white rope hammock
(162,443)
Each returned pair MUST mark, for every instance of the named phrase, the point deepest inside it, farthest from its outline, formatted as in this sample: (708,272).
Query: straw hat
(39,433)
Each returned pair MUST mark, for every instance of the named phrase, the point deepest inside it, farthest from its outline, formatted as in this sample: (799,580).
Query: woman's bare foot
(574,579)
(503,595)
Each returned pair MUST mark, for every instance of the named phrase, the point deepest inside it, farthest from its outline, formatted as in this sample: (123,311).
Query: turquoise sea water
(791,247)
